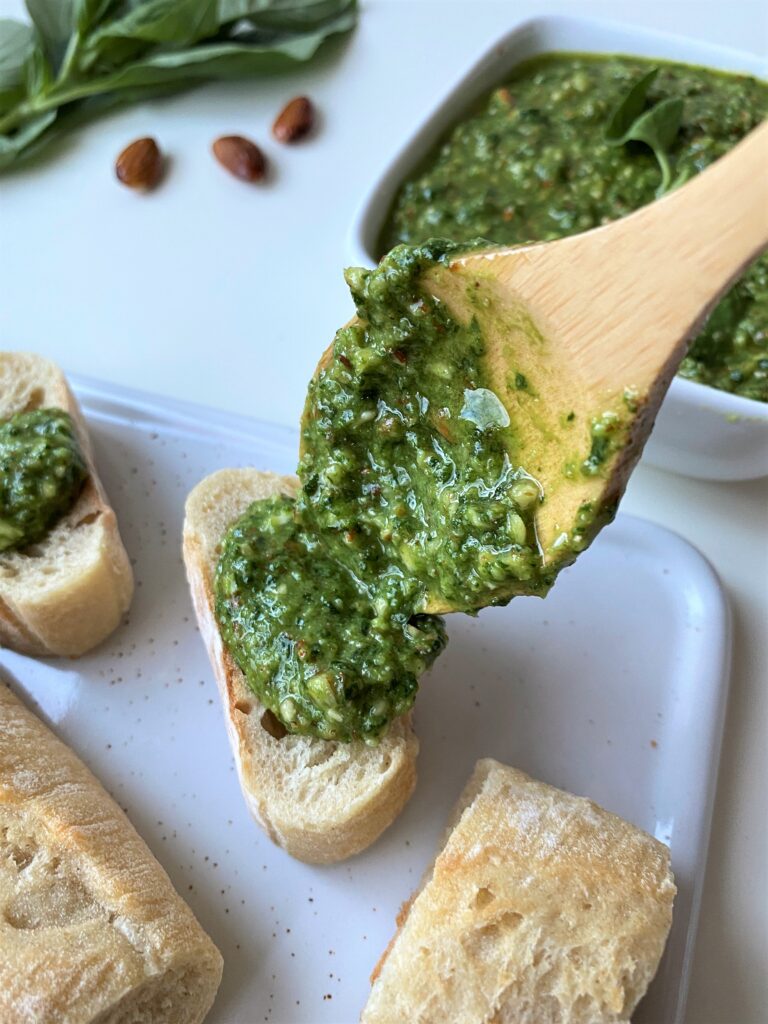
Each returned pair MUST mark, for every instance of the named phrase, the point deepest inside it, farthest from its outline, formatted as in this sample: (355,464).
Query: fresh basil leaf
(18,49)
(17,42)
(55,21)
(630,108)
(88,13)
(656,127)
(78,114)
(37,72)
(180,24)
(11,146)
(215,61)
(279,15)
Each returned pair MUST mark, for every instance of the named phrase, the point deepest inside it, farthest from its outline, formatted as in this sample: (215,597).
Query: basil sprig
(656,126)
(80,57)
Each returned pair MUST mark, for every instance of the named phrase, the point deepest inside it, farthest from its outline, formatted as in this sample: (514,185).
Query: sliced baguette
(539,907)
(91,929)
(321,801)
(67,593)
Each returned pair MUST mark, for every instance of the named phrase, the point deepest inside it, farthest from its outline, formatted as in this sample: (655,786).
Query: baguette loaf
(67,593)
(320,800)
(91,929)
(540,907)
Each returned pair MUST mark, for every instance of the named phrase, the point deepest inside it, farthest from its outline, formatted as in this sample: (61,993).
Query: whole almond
(294,120)
(240,157)
(140,164)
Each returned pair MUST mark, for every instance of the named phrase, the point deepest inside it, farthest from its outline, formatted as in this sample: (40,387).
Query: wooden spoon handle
(695,241)
(667,265)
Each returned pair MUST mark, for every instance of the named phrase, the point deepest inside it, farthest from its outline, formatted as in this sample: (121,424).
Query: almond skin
(140,164)
(240,157)
(295,120)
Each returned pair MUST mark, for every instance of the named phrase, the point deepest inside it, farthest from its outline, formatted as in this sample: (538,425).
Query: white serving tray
(615,688)
(699,431)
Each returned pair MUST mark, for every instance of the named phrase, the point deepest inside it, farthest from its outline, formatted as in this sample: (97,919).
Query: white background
(217,292)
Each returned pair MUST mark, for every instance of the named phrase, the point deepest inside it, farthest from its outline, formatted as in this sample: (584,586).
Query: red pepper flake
(345,362)
(400,355)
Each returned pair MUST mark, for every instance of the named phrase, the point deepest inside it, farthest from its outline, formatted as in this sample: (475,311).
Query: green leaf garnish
(656,127)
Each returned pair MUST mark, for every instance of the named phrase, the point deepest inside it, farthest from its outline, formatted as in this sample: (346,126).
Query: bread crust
(66,594)
(321,801)
(539,906)
(91,929)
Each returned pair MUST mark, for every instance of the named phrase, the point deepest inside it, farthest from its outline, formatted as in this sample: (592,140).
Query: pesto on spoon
(464,438)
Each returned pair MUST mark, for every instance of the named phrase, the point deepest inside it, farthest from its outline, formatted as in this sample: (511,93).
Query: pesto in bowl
(534,161)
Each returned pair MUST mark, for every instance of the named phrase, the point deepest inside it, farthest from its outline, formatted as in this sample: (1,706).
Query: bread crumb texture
(541,908)
(91,929)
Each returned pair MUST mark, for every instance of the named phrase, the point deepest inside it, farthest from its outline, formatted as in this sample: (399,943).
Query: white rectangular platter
(614,688)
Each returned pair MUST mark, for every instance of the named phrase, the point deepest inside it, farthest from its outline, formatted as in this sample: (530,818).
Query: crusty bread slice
(91,929)
(67,593)
(539,907)
(321,801)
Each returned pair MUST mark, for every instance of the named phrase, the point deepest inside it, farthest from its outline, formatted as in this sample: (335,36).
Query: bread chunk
(321,800)
(67,593)
(540,907)
(91,929)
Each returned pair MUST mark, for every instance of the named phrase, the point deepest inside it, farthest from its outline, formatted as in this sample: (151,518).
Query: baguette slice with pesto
(320,800)
(68,591)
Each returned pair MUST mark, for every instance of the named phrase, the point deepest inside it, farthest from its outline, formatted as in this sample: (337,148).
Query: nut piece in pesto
(42,471)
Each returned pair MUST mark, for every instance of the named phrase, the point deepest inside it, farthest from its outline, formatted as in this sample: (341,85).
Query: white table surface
(217,292)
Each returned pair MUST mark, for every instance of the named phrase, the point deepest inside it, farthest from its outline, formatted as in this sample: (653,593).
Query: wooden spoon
(596,325)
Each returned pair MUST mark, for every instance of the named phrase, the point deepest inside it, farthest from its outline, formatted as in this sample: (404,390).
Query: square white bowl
(700,431)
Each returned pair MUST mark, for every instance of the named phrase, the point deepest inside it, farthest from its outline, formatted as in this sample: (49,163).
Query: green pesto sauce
(329,653)
(42,471)
(408,495)
(406,447)
(532,163)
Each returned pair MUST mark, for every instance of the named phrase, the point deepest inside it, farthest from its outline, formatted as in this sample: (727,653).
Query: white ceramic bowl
(699,431)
